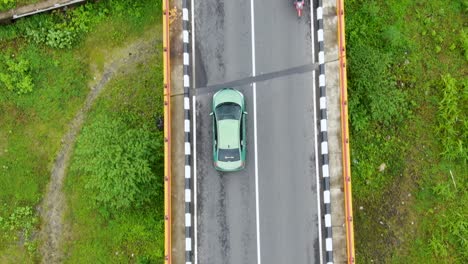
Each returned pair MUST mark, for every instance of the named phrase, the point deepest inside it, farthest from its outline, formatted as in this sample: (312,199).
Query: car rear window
(228,111)
(227,155)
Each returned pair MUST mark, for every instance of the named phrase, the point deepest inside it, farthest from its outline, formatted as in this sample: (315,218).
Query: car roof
(228,134)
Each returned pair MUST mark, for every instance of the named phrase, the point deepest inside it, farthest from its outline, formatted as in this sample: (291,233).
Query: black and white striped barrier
(324,137)
(187,145)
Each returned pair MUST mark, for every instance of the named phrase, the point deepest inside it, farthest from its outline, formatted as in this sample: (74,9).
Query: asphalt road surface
(268,212)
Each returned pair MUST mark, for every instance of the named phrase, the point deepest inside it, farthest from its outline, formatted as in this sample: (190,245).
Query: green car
(229,142)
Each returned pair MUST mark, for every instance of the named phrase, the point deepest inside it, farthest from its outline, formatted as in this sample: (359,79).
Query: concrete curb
(187,144)
(324,137)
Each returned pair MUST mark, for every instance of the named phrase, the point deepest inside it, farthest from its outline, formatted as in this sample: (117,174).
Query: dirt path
(54,204)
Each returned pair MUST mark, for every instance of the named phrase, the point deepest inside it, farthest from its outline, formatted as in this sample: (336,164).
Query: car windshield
(229,155)
(228,111)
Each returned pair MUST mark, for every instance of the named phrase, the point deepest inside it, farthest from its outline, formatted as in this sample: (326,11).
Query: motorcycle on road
(299,5)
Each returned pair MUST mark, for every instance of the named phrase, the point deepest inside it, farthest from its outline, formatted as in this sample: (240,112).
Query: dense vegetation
(8,4)
(408,90)
(116,175)
(46,64)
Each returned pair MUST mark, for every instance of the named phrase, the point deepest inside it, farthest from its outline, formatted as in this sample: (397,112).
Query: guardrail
(345,135)
(167,136)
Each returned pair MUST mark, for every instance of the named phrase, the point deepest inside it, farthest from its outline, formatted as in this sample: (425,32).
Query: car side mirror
(245,113)
(211,113)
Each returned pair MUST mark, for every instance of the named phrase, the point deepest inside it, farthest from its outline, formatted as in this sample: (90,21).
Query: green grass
(32,124)
(31,128)
(133,236)
(411,212)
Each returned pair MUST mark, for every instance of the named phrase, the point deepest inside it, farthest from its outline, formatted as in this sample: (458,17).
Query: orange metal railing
(167,135)
(345,135)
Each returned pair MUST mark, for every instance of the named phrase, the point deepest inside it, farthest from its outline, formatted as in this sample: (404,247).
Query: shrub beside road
(408,90)
(50,62)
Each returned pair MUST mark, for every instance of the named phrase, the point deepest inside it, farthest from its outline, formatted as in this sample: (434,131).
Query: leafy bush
(374,96)
(453,124)
(7,4)
(464,43)
(64,29)
(19,225)
(15,74)
(120,162)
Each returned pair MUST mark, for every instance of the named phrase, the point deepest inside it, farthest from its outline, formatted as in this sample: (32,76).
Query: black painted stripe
(187,183)
(327,208)
(187,47)
(320,23)
(188,256)
(325,160)
(323,114)
(322,68)
(328,232)
(187,160)
(326,183)
(323,91)
(324,136)
(321,46)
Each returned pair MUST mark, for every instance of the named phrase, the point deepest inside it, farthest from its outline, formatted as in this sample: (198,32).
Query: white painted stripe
(186,59)
(188,244)
(193,48)
(187,125)
(326,197)
(320,35)
(323,125)
(185,33)
(319,13)
(325,171)
(186,103)
(254,95)
(327,220)
(188,195)
(322,79)
(185,14)
(186,80)
(194,101)
(323,102)
(188,172)
(187,148)
(321,55)
(317,174)
(329,262)
(188,220)
(329,243)
(324,147)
